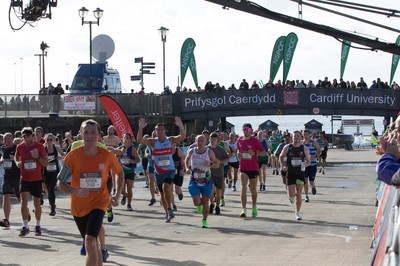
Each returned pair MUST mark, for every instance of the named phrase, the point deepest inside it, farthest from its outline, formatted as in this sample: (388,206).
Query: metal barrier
(29,105)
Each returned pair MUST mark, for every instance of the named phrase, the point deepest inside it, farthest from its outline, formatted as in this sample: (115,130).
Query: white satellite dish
(102,48)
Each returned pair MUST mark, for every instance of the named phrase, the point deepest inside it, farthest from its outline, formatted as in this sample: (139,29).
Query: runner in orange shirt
(88,167)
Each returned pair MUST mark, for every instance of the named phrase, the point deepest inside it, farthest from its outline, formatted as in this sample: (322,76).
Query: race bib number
(50,158)
(7,164)
(296,162)
(52,167)
(30,165)
(92,181)
(164,162)
(125,160)
(246,156)
(199,177)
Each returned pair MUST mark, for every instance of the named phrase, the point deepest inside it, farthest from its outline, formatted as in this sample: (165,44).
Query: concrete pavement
(336,228)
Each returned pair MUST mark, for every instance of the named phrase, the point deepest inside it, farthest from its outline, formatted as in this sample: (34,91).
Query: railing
(29,105)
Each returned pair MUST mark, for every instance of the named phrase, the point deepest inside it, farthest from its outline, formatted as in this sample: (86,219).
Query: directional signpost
(144,69)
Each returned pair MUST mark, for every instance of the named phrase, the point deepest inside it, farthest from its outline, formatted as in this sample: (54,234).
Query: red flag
(117,116)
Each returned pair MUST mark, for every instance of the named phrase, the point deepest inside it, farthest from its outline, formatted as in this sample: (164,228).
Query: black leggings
(90,224)
(50,179)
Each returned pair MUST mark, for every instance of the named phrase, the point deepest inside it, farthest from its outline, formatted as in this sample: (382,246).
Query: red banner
(117,116)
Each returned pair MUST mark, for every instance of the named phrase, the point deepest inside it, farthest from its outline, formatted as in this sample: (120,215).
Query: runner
(54,153)
(286,140)
(163,162)
(311,170)
(233,162)
(249,148)
(128,158)
(217,172)
(178,157)
(150,169)
(274,141)
(197,163)
(11,180)
(88,188)
(263,160)
(298,158)
(323,144)
(30,157)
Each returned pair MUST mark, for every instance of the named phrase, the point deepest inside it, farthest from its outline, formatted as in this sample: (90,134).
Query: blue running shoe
(83,250)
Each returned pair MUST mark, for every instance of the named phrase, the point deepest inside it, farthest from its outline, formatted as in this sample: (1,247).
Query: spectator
(209,87)
(353,85)
(49,89)
(141,92)
(57,91)
(278,84)
(319,84)
(299,84)
(381,85)
(255,85)
(232,87)
(326,83)
(166,91)
(244,85)
(342,83)
(18,102)
(374,85)
(334,84)
(362,84)
(310,84)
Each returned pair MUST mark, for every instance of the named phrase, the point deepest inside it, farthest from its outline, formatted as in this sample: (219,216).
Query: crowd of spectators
(325,83)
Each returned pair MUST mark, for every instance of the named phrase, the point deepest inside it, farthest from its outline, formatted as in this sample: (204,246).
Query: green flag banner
(188,60)
(395,62)
(343,56)
(276,58)
(288,52)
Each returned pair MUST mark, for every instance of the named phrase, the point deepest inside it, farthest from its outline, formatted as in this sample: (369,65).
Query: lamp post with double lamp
(163,32)
(44,47)
(98,13)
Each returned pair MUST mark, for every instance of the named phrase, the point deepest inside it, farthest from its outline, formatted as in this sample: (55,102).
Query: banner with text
(343,56)
(117,116)
(188,60)
(395,62)
(277,98)
(276,57)
(80,102)
(288,53)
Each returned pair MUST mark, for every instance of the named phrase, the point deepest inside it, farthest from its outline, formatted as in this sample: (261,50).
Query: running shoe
(38,230)
(320,170)
(83,249)
(273,172)
(298,216)
(261,187)
(174,208)
(307,199)
(243,214)
(171,214)
(230,184)
(199,209)
(110,216)
(4,223)
(152,201)
(254,212)
(167,219)
(277,172)
(204,223)
(323,171)
(291,199)
(264,187)
(222,202)
(24,231)
(180,196)
(217,210)
(129,208)
(41,199)
(234,188)
(123,200)
(211,209)
(104,254)
(314,190)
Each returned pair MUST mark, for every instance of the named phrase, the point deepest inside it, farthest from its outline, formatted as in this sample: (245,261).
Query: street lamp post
(44,47)
(163,32)
(98,13)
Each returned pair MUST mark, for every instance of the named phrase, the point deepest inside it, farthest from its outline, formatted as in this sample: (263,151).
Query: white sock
(25,223)
(37,222)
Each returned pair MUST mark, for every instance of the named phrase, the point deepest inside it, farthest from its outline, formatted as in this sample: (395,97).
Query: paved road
(336,228)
